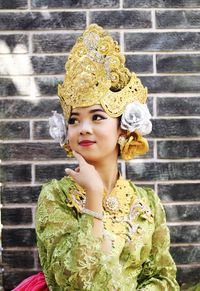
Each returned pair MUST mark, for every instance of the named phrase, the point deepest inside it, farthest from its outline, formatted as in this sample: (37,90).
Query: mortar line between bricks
(126,30)
(153,18)
(172,117)
(50,141)
(123,168)
(154,64)
(164,8)
(185,244)
(136,161)
(27,77)
(63,9)
(122,41)
(129,53)
(29,98)
(181,203)
(121,5)
(87,18)
(188,265)
(32,174)
(21,205)
(126,53)
(182,223)
(159,95)
(29,5)
(155,150)
(164,53)
(30,44)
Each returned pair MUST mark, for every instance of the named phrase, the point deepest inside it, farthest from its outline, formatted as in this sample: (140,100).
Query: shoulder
(149,197)
(56,189)
(64,192)
(146,193)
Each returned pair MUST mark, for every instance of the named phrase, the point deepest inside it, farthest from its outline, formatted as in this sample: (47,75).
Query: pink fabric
(33,283)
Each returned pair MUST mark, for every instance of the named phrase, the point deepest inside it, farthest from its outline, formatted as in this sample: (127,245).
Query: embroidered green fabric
(72,259)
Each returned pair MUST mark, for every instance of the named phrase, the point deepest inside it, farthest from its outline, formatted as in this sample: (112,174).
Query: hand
(86,176)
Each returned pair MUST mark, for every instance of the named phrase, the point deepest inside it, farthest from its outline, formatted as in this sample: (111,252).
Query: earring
(121,140)
(68,150)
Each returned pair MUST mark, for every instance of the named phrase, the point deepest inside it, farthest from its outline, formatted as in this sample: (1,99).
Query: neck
(108,171)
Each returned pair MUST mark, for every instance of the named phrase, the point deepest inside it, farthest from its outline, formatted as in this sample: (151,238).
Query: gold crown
(96,74)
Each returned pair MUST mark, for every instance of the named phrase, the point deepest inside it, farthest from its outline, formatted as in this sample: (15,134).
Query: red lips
(86,143)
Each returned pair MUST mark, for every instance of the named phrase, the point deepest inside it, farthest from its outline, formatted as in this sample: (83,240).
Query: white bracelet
(92,213)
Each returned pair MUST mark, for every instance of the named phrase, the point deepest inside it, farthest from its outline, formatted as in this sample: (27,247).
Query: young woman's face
(93,133)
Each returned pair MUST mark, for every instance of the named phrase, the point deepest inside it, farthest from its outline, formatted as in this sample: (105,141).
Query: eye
(73,120)
(98,117)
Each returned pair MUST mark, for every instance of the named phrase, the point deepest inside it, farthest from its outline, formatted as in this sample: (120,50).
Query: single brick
(28,108)
(178,149)
(140,63)
(177,106)
(162,41)
(41,130)
(54,42)
(177,19)
(44,20)
(188,275)
(16,216)
(44,173)
(13,4)
(178,213)
(172,84)
(122,19)
(47,86)
(23,237)
(14,130)
(178,63)
(19,86)
(31,151)
(184,233)
(59,42)
(48,64)
(86,4)
(13,43)
(15,173)
(175,127)
(179,192)
(20,194)
(186,254)
(163,171)
(18,259)
(161,4)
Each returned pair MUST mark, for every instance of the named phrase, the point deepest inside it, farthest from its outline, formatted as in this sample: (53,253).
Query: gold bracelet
(92,213)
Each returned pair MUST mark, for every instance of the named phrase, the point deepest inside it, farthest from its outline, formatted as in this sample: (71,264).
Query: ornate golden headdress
(96,74)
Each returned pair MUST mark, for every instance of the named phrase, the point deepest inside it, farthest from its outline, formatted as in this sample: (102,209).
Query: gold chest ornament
(121,209)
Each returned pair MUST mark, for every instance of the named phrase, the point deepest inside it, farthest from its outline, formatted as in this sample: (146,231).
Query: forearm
(98,228)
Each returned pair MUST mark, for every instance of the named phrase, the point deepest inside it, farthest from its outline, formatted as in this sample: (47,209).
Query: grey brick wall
(161,40)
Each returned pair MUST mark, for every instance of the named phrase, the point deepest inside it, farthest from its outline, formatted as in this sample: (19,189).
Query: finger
(77,169)
(70,172)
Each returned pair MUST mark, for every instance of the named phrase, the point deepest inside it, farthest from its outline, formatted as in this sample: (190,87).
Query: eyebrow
(91,111)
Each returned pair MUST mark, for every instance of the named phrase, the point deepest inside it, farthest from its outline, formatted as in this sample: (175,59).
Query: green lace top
(71,256)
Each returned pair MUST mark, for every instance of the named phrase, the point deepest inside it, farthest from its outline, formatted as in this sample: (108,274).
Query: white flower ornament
(136,117)
(58,128)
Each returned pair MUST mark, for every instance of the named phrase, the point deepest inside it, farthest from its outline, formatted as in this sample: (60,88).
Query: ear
(121,131)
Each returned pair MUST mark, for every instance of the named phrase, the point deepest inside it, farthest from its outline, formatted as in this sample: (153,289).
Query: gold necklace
(111,202)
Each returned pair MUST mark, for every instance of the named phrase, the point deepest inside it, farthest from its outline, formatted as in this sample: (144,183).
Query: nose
(85,127)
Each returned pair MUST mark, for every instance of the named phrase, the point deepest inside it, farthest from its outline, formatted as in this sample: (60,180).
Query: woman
(95,229)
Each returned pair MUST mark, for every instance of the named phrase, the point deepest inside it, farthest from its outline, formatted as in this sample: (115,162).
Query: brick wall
(161,40)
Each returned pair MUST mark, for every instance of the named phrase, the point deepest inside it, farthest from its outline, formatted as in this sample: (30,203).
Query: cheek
(71,134)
